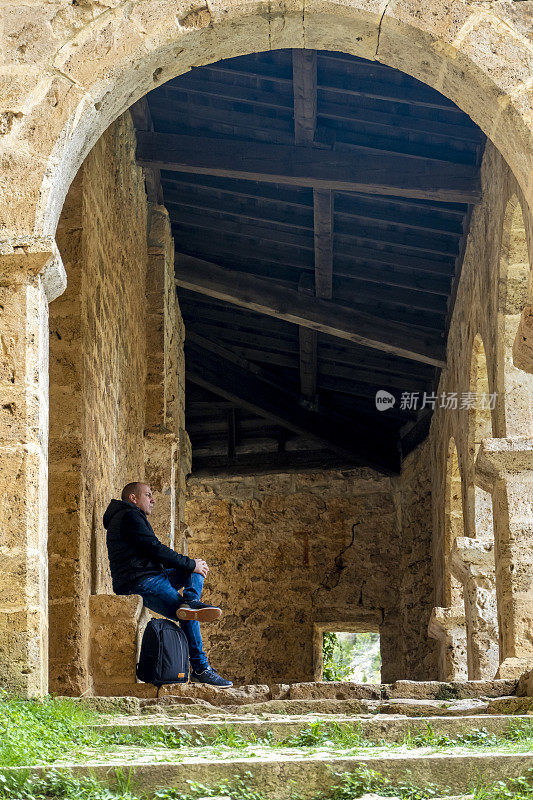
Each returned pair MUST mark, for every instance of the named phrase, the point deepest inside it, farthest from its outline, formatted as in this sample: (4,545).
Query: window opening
(349,656)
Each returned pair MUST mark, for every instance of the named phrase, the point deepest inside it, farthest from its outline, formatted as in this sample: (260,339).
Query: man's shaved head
(130,488)
(139,494)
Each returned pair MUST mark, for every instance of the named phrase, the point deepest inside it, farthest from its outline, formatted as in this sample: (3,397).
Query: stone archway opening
(473,556)
(447,623)
(90,92)
(267,228)
(515,386)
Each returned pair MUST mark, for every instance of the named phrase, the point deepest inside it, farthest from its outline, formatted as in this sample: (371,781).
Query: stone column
(164,401)
(523,344)
(31,275)
(447,626)
(472,563)
(161,460)
(505,468)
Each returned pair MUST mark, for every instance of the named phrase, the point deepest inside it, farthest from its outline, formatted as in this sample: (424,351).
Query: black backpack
(164,654)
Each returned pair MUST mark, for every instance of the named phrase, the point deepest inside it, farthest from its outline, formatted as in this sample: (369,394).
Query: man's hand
(201,567)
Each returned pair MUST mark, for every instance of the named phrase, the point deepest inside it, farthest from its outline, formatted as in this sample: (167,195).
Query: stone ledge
(34,255)
(460,690)
(314,774)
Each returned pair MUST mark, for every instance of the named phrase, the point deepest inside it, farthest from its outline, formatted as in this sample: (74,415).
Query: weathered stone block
(334,690)
(115,628)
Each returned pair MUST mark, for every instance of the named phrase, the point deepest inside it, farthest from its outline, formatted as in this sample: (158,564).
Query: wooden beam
(232,438)
(304,80)
(262,295)
(304,88)
(308,339)
(297,198)
(418,313)
(142,120)
(357,170)
(347,85)
(283,351)
(258,462)
(296,215)
(347,238)
(399,123)
(218,370)
(323,215)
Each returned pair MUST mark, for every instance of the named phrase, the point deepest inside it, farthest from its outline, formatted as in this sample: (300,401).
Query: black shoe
(197,611)
(210,677)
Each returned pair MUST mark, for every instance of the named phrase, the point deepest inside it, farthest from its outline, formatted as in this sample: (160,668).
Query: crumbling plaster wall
(283,563)
(104,331)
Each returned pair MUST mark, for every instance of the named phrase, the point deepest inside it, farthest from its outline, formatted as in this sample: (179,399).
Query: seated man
(141,564)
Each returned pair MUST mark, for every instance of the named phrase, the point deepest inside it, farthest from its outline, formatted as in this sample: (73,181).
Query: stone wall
(116,366)
(412,494)
(491,294)
(284,568)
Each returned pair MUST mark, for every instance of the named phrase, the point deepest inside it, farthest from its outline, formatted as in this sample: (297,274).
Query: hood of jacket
(114,507)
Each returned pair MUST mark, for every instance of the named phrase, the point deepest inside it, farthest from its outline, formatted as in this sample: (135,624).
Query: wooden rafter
(263,295)
(217,369)
(304,81)
(353,170)
(142,120)
(304,89)
(394,252)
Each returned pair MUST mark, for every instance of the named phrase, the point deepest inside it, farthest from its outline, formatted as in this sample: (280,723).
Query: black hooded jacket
(134,550)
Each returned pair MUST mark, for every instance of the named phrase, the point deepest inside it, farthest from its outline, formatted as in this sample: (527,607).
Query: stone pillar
(472,563)
(31,275)
(505,468)
(161,460)
(164,403)
(447,626)
(523,344)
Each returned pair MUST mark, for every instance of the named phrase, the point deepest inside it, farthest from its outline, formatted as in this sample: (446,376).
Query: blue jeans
(160,594)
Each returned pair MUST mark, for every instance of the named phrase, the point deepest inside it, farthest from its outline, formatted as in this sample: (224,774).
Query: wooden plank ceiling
(319,206)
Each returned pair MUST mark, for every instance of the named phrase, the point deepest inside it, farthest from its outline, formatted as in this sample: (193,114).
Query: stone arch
(514,385)
(92,69)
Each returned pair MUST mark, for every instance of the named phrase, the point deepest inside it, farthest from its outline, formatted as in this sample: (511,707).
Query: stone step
(334,690)
(278,774)
(374,729)
(412,707)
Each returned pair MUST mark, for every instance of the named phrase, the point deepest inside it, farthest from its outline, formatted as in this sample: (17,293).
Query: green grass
(346,786)
(344,736)
(34,732)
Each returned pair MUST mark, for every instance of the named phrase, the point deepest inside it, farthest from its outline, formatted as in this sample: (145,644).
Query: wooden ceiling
(319,205)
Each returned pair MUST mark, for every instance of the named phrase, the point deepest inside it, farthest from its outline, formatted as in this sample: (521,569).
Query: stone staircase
(385,718)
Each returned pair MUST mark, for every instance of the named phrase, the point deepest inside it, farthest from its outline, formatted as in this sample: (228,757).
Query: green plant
(448,692)
(321,733)
(32,731)
(514,789)
(63,786)
(336,668)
